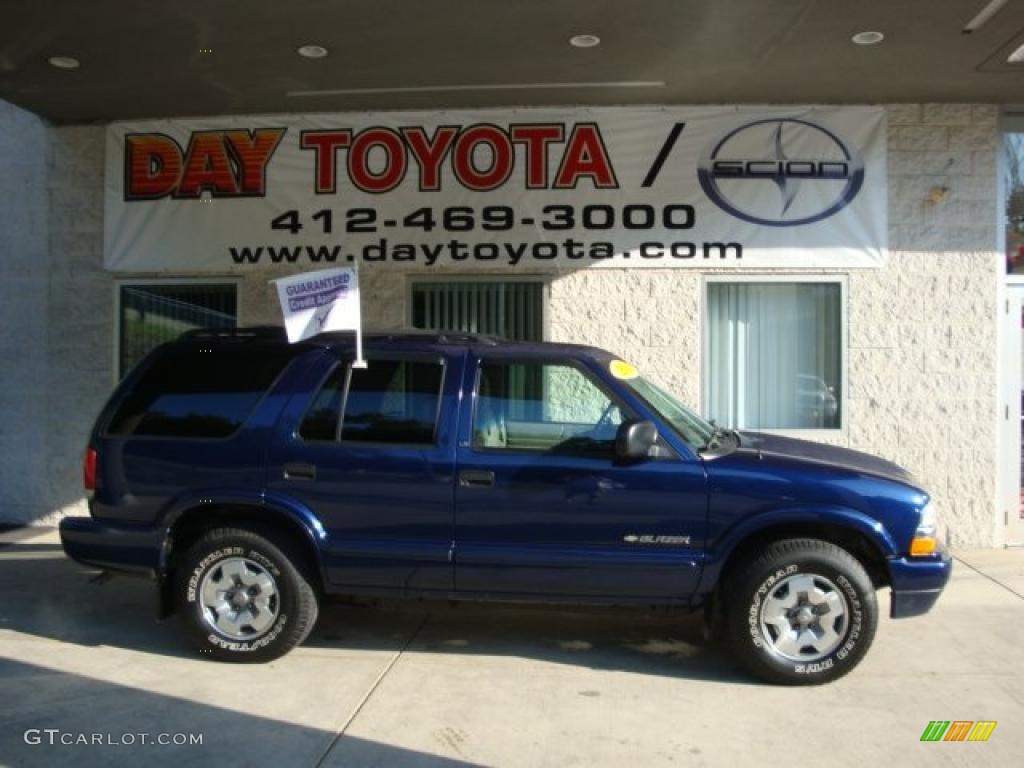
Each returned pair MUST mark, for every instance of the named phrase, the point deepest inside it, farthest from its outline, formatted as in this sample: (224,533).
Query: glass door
(1013,414)
(1012,353)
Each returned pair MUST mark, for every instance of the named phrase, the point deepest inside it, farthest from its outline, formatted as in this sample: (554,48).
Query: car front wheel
(244,596)
(802,612)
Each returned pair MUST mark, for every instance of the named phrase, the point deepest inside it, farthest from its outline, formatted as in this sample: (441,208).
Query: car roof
(407,338)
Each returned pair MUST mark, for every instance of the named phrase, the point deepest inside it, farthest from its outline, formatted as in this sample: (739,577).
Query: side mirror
(635,439)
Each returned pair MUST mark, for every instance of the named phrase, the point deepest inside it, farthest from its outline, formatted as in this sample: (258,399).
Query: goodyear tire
(803,612)
(245,596)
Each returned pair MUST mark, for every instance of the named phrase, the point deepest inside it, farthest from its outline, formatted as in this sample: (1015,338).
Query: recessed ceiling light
(64,62)
(983,16)
(584,41)
(868,38)
(312,51)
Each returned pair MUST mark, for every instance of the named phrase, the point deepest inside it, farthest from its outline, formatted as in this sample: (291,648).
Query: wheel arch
(863,537)
(187,522)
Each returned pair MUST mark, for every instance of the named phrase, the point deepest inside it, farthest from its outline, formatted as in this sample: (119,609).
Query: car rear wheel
(244,595)
(803,612)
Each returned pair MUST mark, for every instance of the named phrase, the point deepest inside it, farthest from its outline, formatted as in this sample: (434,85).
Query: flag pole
(359,362)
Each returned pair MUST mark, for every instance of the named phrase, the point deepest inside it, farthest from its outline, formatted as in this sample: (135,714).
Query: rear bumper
(115,547)
(917,583)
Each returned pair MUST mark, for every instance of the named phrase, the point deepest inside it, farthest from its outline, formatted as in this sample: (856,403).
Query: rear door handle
(299,471)
(476,478)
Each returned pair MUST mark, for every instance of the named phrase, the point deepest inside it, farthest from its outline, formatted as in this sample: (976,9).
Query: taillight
(89,472)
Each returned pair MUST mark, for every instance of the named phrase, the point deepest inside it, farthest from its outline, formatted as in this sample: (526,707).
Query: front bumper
(917,583)
(121,547)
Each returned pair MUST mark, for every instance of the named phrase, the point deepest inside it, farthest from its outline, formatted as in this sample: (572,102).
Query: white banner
(321,301)
(704,187)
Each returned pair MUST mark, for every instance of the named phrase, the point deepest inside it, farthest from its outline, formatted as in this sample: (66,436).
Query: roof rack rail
(250,332)
(277,333)
(441,337)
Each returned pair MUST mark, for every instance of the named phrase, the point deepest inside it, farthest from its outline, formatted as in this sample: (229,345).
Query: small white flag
(321,301)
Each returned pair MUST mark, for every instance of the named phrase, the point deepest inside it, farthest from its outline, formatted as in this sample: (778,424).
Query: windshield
(692,428)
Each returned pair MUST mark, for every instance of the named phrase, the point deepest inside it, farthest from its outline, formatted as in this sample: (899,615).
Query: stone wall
(921,357)
(24,302)
(81,312)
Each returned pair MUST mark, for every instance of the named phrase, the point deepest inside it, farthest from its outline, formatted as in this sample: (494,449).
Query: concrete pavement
(425,684)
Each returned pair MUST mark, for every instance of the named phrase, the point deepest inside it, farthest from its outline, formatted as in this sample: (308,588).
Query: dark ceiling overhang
(150,59)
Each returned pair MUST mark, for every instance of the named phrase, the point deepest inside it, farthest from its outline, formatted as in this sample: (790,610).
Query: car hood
(828,455)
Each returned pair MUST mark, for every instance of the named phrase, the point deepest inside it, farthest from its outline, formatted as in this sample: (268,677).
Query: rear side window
(199,393)
(389,401)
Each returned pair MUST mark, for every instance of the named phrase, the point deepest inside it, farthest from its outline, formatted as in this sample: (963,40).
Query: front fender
(725,544)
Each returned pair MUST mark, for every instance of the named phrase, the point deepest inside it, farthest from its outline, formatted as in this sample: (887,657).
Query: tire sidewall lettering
(250,645)
(853,632)
(265,561)
(754,611)
(221,553)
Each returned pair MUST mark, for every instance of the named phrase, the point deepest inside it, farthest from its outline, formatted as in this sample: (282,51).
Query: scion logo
(816,174)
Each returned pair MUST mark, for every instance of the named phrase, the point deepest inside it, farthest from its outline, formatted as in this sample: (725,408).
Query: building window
(149,315)
(510,309)
(774,355)
(1013,144)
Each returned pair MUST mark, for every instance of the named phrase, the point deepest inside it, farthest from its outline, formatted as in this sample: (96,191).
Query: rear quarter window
(196,392)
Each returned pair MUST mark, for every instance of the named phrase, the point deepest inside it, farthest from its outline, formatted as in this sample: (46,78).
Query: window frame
(627,411)
(399,357)
(117,375)
(543,280)
(830,278)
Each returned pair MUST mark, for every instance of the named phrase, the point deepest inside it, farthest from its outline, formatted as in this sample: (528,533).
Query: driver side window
(544,407)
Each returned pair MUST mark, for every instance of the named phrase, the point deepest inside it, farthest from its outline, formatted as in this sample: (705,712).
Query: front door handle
(299,471)
(476,478)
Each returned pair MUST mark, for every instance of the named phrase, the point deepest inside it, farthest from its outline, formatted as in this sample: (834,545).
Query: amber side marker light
(923,545)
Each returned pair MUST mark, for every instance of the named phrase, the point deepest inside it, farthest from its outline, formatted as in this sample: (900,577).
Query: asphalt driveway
(423,684)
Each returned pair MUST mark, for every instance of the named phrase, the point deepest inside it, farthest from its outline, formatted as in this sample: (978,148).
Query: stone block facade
(921,367)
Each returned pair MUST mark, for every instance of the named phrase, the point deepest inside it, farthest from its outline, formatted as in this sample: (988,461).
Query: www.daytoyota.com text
(463,222)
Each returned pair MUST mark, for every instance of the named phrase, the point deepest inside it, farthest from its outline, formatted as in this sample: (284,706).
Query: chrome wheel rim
(240,599)
(804,617)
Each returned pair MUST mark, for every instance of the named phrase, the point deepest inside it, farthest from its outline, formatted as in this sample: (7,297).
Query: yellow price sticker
(620,369)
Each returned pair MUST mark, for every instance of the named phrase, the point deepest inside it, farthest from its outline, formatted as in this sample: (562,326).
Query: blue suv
(251,477)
